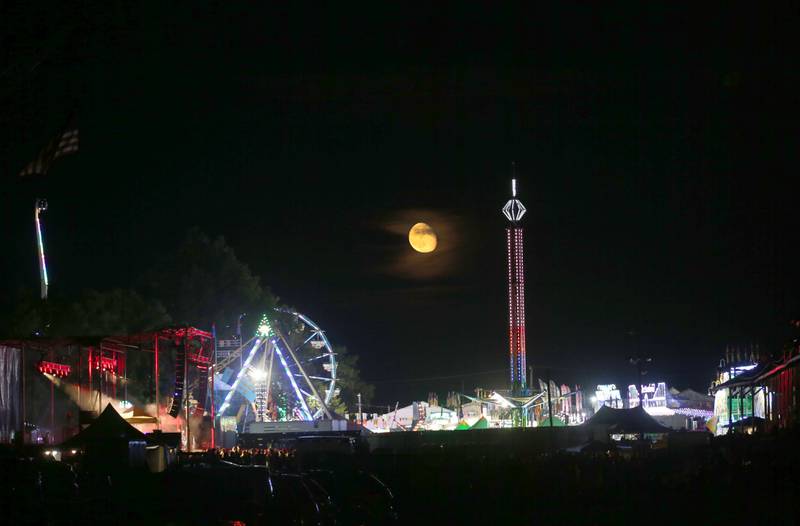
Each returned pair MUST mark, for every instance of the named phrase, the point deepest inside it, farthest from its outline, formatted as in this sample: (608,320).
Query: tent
(482,423)
(109,427)
(462,425)
(625,421)
(557,422)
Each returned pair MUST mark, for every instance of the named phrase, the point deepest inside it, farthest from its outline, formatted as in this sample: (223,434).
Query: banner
(10,402)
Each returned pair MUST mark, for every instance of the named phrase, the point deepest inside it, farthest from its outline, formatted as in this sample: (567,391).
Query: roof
(634,420)
(746,378)
(764,371)
(746,422)
(137,415)
(39,342)
(108,427)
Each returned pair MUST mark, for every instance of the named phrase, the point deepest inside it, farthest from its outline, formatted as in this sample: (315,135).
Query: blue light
(289,374)
(227,402)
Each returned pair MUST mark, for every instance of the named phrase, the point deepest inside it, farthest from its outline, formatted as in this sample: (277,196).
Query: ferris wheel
(289,369)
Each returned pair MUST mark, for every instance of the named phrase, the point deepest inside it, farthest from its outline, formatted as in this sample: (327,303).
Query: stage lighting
(58,370)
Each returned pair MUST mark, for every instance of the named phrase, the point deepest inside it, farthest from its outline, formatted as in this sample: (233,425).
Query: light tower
(39,207)
(514,210)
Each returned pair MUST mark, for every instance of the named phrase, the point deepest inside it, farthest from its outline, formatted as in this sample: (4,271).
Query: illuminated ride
(39,207)
(288,371)
(514,210)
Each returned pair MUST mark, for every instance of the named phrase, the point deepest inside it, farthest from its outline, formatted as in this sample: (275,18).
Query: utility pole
(640,362)
(239,333)
(155,375)
(52,405)
(530,376)
(549,400)
(360,414)
(186,390)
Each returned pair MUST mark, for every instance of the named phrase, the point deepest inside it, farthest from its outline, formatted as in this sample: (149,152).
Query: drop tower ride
(514,210)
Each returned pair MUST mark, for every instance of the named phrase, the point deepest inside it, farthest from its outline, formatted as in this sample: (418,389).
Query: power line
(476,373)
(446,377)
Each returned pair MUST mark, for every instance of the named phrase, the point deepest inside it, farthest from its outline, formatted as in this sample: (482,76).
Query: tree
(349,382)
(24,315)
(204,283)
(117,311)
(348,385)
(92,313)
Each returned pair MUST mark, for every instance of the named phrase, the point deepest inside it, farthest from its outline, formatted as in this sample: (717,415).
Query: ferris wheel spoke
(320,357)
(307,340)
(310,367)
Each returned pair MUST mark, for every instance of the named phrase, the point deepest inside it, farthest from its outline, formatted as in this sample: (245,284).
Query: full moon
(422,238)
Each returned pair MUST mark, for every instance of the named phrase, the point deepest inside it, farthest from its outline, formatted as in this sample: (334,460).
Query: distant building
(752,392)
(695,409)
(675,409)
(414,417)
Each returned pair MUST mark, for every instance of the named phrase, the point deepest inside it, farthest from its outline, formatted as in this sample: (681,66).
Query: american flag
(64,143)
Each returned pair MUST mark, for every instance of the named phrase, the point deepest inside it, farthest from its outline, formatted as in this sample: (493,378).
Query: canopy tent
(482,423)
(625,421)
(109,427)
(462,425)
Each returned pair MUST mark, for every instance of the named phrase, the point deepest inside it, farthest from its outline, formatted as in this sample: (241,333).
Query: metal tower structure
(514,210)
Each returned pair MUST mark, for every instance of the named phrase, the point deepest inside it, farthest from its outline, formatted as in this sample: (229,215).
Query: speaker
(180,380)
(202,389)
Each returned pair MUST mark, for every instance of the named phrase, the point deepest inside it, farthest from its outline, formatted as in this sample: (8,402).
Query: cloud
(404,262)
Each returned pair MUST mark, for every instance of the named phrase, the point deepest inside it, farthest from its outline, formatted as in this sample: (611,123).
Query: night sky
(655,150)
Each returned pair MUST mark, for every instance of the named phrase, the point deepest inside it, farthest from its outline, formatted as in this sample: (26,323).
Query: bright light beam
(227,402)
(291,379)
(41,206)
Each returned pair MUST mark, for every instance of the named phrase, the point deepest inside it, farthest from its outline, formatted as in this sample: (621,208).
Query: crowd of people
(278,458)
(732,479)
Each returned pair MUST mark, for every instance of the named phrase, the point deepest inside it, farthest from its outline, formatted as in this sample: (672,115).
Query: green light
(264,328)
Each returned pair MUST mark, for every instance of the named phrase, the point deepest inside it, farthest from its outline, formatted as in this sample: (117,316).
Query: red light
(105,363)
(55,369)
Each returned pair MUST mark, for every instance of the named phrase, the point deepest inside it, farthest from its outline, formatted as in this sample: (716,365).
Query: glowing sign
(653,395)
(607,394)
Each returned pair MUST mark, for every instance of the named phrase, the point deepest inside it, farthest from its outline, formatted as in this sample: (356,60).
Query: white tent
(417,413)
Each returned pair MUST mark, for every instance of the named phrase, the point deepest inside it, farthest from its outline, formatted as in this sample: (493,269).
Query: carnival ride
(287,371)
